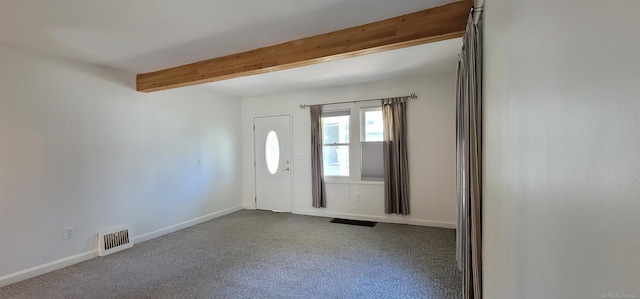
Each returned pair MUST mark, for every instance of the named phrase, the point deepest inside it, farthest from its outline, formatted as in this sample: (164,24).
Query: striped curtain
(469,158)
(318,193)
(396,162)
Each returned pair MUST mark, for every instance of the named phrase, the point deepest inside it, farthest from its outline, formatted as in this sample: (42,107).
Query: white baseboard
(420,222)
(249,206)
(432,223)
(78,258)
(183,225)
(46,268)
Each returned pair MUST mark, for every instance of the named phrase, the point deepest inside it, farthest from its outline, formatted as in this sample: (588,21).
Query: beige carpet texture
(261,254)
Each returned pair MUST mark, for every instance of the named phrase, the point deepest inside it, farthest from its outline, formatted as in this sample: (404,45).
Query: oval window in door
(272,152)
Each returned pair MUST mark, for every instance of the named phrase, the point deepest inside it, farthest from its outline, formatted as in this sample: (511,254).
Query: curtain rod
(412,96)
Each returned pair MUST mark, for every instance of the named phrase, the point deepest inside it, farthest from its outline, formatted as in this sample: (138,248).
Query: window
(335,139)
(272,152)
(371,155)
(372,124)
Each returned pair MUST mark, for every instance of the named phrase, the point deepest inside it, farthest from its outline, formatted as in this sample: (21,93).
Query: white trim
(363,120)
(419,222)
(335,179)
(330,112)
(85,256)
(373,183)
(432,223)
(345,181)
(183,225)
(248,206)
(47,267)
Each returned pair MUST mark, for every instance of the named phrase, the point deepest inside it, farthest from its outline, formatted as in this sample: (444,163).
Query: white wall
(561,149)
(431,121)
(80,147)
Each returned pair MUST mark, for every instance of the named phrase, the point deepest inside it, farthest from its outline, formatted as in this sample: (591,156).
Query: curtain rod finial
(413,96)
(303,106)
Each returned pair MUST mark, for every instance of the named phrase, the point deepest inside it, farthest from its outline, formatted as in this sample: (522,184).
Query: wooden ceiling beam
(430,25)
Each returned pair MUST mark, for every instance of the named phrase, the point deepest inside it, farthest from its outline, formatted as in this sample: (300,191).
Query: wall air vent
(113,240)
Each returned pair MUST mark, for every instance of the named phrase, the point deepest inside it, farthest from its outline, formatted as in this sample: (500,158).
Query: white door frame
(253,145)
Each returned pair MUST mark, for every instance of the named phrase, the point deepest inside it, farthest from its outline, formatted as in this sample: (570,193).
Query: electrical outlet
(69,232)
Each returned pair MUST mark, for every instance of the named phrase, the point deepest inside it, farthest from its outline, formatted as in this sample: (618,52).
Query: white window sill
(380,183)
(337,179)
(347,180)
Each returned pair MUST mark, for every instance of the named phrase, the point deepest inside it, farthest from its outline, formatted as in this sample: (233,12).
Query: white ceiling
(428,59)
(147,35)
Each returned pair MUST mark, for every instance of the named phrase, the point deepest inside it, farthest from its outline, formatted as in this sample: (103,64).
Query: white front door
(272,163)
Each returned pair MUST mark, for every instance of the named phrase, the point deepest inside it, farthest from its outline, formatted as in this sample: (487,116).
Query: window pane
(372,125)
(372,166)
(272,152)
(336,160)
(335,129)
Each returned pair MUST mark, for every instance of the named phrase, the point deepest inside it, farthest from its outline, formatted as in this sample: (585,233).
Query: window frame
(334,113)
(363,121)
(363,141)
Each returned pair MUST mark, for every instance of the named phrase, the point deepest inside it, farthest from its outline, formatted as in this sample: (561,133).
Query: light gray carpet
(260,254)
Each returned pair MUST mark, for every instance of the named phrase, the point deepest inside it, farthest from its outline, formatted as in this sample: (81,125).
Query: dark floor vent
(354,222)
